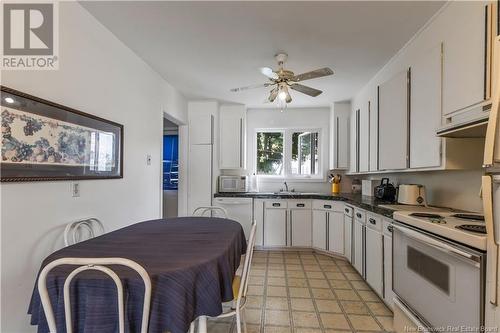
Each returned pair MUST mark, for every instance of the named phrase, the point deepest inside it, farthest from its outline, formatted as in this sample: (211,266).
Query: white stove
(465,228)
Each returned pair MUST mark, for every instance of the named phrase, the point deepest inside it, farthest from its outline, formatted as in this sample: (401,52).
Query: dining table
(191,262)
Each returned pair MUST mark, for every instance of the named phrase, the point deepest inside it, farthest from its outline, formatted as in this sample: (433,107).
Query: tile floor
(306,292)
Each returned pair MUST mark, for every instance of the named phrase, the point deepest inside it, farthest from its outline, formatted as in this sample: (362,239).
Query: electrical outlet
(148,159)
(75,190)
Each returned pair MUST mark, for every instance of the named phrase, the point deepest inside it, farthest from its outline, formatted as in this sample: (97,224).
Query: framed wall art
(42,140)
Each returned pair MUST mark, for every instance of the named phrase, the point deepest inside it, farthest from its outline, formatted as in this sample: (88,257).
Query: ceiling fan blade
(306,90)
(313,74)
(263,85)
(273,95)
(269,73)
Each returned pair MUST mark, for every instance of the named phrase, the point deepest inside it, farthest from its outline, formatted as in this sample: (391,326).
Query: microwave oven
(233,183)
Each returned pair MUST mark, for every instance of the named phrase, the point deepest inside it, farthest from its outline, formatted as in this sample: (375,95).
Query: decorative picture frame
(45,141)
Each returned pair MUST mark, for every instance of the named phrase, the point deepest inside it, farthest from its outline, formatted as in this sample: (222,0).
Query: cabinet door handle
(372,221)
(358,215)
(327,206)
(390,228)
(346,210)
(276,204)
(301,205)
(291,230)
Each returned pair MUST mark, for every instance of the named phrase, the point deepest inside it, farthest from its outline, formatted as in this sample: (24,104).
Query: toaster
(412,194)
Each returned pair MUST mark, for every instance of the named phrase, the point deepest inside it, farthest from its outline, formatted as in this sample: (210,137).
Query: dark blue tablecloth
(191,262)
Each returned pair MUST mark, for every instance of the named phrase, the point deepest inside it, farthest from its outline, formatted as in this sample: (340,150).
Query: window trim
(287,154)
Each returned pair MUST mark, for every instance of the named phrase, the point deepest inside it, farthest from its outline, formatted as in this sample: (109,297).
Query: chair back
(242,293)
(98,264)
(213,211)
(75,231)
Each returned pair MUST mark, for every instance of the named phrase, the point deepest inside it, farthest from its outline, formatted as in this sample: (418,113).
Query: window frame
(287,154)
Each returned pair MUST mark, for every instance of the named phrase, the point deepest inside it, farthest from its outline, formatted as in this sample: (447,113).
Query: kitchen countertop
(367,203)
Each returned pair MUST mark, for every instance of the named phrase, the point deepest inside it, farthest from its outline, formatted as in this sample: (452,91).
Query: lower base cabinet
(336,232)
(348,237)
(300,227)
(319,221)
(358,238)
(275,224)
(388,293)
(374,260)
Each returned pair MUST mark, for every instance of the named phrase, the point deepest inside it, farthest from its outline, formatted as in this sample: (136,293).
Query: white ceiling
(206,48)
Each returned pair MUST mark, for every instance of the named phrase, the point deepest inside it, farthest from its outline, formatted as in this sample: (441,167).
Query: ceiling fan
(282,79)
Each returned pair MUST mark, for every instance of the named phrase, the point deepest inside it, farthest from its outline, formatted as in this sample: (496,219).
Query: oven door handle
(438,244)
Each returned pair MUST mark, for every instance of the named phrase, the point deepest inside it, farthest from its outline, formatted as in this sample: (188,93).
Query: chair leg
(238,321)
(202,324)
(191,327)
(244,318)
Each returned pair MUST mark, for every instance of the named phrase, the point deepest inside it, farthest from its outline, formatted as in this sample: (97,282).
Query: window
(288,153)
(270,153)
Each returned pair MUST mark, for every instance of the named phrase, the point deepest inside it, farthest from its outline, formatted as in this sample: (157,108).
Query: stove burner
(438,221)
(474,217)
(480,229)
(428,215)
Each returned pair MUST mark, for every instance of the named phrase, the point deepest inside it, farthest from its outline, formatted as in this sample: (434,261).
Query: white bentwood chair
(98,264)
(73,232)
(240,288)
(213,211)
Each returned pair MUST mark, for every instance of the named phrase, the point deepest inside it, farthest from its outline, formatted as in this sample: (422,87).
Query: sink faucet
(286,186)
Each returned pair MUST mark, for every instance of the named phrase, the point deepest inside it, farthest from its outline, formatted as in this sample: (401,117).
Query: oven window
(429,268)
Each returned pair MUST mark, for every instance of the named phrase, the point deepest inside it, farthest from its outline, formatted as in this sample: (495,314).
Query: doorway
(170,160)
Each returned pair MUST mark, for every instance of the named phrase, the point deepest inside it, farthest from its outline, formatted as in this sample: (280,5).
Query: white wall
(101,76)
(290,118)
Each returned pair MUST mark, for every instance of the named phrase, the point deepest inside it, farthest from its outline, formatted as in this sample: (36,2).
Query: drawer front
(387,227)
(330,205)
(360,215)
(374,222)
(348,210)
(299,204)
(276,204)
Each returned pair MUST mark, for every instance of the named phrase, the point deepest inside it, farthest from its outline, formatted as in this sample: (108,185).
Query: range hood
(468,123)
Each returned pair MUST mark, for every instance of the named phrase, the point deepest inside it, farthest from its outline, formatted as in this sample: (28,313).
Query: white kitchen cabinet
(348,237)
(388,293)
(199,177)
(232,123)
(201,122)
(359,246)
(364,137)
(374,258)
(339,136)
(425,109)
(300,227)
(336,232)
(353,142)
(393,123)
(319,227)
(373,126)
(258,215)
(275,223)
(464,57)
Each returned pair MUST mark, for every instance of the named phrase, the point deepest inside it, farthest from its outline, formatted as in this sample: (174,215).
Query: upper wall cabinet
(201,122)
(339,136)
(464,56)
(354,141)
(364,137)
(393,123)
(232,121)
(373,145)
(425,110)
